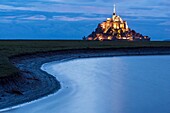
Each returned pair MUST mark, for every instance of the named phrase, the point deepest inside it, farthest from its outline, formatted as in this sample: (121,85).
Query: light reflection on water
(108,85)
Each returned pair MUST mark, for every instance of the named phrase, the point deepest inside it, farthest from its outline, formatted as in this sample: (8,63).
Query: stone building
(115,28)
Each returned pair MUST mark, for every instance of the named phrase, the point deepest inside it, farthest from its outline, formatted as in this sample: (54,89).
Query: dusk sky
(73,19)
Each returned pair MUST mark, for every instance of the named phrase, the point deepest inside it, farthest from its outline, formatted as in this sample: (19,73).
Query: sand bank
(32,83)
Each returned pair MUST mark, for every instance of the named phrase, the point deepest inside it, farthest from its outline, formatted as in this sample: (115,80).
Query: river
(137,84)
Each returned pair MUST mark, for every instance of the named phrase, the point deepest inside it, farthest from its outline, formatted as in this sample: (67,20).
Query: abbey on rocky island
(115,28)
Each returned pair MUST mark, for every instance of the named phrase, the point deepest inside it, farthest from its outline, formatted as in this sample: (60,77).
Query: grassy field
(12,48)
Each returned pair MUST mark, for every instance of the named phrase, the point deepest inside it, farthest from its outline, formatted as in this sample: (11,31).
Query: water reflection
(108,85)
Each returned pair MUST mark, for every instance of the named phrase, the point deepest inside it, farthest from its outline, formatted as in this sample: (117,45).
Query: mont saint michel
(115,28)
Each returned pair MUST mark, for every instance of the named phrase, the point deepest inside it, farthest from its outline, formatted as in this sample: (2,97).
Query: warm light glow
(90,38)
(100,38)
(116,28)
(130,38)
(109,19)
(103,25)
(97,35)
(124,38)
(121,25)
(109,38)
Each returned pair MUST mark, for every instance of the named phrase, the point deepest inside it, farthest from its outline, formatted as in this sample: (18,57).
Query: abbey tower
(115,28)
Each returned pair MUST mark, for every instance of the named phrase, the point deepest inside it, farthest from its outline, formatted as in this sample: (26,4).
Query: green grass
(12,48)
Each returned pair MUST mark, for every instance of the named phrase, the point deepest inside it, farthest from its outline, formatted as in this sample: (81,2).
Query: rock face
(115,28)
(29,84)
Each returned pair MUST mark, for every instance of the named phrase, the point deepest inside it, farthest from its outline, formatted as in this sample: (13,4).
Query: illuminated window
(121,25)
(114,26)
(109,38)
(124,38)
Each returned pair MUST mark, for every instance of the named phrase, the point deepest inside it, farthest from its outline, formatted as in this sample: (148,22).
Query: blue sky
(73,19)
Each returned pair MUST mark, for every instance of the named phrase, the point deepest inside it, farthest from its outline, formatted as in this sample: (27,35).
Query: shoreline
(32,83)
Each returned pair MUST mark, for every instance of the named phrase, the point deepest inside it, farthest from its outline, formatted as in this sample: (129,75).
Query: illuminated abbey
(115,28)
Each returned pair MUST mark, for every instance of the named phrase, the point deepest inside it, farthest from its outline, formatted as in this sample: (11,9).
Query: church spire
(114,10)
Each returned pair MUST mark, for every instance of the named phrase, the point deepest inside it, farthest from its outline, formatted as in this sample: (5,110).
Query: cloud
(125,8)
(165,23)
(35,18)
(168,30)
(9,7)
(139,13)
(65,18)
(9,17)
(142,10)
(22,18)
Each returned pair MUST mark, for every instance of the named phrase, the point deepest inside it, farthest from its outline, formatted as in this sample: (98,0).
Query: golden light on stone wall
(101,38)
(116,28)
(124,38)
(122,26)
(109,37)
(90,38)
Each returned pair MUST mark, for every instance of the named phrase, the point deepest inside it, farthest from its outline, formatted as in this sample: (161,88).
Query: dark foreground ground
(9,49)
(21,79)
